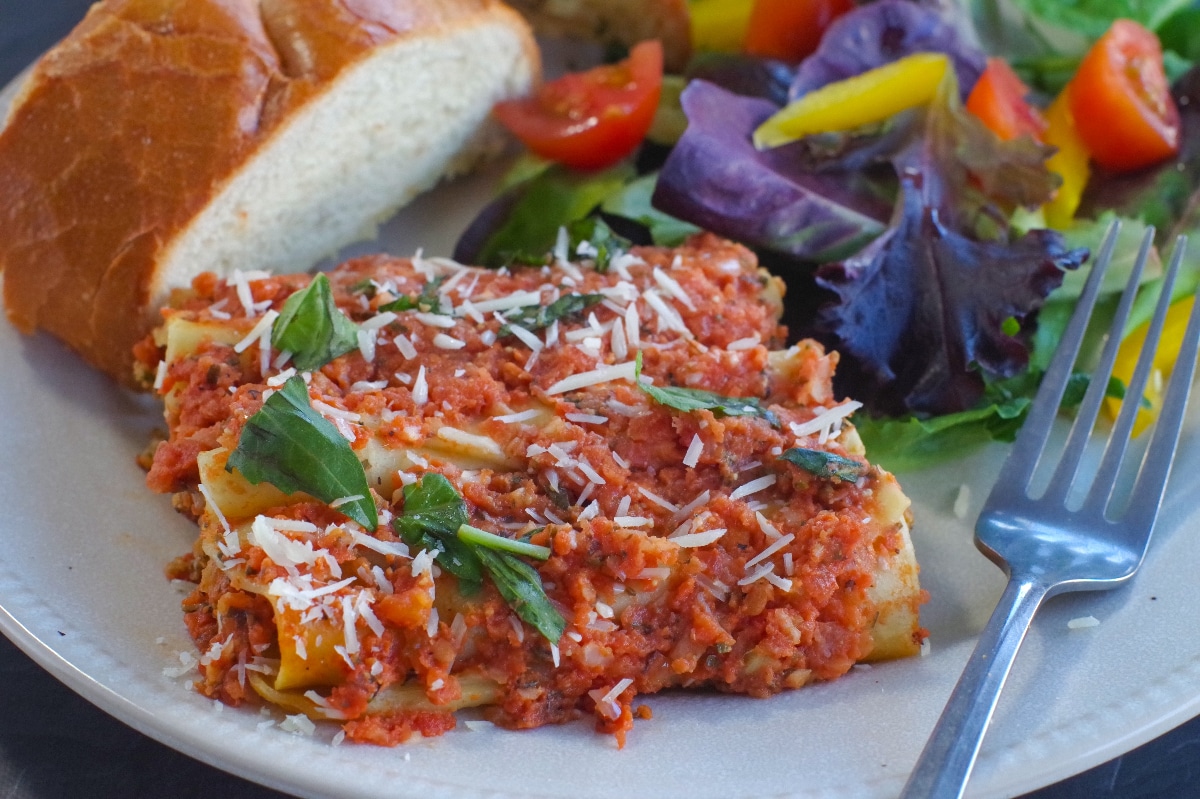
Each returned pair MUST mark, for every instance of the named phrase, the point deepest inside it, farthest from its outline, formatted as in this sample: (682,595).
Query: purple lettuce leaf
(920,313)
(923,305)
(716,179)
(882,32)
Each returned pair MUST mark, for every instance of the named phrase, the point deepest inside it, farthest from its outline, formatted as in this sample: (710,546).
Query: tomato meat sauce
(686,549)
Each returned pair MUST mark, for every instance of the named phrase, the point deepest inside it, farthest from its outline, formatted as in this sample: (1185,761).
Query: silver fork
(1048,544)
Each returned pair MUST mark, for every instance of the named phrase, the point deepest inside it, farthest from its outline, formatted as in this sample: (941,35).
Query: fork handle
(946,762)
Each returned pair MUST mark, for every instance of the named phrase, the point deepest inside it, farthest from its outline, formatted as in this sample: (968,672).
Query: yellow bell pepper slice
(719,25)
(1070,162)
(1168,352)
(861,100)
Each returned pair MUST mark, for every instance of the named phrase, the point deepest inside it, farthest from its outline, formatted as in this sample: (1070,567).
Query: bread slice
(620,22)
(163,138)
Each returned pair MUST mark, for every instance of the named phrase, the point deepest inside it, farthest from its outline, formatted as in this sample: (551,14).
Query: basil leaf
(433,512)
(591,237)
(404,303)
(695,399)
(536,317)
(427,301)
(312,328)
(482,538)
(521,586)
(435,518)
(825,465)
(294,448)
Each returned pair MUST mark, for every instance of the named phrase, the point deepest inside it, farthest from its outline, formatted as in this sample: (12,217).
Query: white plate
(82,591)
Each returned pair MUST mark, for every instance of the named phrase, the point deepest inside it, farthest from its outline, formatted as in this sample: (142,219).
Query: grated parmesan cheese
(769,530)
(754,486)
(444,342)
(656,499)
(672,287)
(771,550)
(405,346)
(420,390)
(261,328)
(825,419)
(701,539)
(511,418)
(605,374)
(298,724)
(757,575)
(586,418)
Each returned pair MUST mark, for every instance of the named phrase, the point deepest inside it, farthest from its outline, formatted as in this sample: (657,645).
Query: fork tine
(1152,481)
(1089,409)
(1118,440)
(1031,441)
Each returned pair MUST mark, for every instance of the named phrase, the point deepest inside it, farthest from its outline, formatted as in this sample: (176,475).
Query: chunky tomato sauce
(630,495)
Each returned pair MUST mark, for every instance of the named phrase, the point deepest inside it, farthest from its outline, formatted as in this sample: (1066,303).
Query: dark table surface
(55,745)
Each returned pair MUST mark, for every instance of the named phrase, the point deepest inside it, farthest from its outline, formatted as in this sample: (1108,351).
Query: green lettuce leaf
(633,202)
(906,444)
(521,227)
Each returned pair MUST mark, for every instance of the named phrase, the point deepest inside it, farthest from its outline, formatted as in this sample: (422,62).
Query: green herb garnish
(435,518)
(433,512)
(482,538)
(536,317)
(695,399)
(825,465)
(427,301)
(294,448)
(313,328)
(521,586)
(598,241)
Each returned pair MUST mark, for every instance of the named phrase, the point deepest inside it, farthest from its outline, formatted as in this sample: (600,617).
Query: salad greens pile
(1045,39)
(913,246)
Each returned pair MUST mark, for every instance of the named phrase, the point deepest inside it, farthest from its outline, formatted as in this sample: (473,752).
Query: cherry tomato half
(592,119)
(1121,102)
(790,30)
(998,99)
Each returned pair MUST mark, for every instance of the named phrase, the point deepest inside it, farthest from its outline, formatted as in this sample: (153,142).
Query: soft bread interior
(321,183)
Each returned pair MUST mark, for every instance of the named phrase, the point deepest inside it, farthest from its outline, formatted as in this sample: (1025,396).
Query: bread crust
(132,125)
